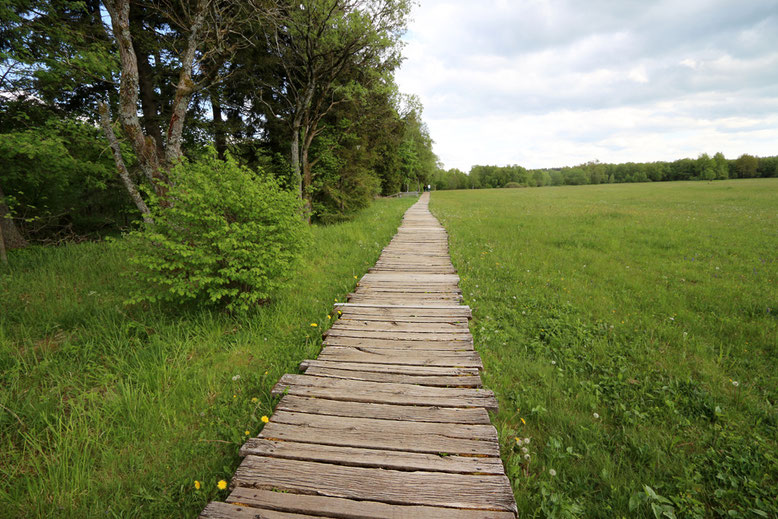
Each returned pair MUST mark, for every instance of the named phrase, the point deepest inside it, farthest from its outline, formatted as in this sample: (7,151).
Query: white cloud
(555,82)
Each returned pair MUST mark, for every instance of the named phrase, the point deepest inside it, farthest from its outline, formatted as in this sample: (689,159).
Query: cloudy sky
(545,83)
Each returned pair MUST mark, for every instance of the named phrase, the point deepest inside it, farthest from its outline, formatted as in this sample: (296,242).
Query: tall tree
(319,46)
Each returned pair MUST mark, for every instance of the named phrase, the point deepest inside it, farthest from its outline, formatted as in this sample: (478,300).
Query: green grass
(114,412)
(644,304)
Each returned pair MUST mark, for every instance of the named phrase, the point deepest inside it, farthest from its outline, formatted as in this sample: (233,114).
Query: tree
(746,166)
(9,234)
(318,47)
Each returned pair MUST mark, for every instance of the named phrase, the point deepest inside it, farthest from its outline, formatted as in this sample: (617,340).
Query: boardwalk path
(391,420)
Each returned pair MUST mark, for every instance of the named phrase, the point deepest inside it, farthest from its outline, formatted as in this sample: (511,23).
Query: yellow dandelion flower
(197,485)
(340,313)
(314,325)
(265,372)
(265,419)
(522,421)
(255,400)
(221,485)
(355,277)
(248,433)
(234,396)
(329,317)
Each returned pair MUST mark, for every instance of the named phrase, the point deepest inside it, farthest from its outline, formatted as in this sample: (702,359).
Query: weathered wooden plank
(375,458)
(401,335)
(398,326)
(420,413)
(390,368)
(484,433)
(447,309)
(402,319)
(485,492)
(464,359)
(423,380)
(383,393)
(386,439)
(414,346)
(216,510)
(445,278)
(349,508)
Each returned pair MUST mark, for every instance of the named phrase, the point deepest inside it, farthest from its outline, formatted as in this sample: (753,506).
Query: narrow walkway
(391,420)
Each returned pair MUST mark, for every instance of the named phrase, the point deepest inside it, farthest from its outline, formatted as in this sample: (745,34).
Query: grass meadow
(630,332)
(114,411)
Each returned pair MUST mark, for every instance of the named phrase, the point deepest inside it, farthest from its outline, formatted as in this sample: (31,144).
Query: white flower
(596,416)
(525,450)
(553,363)
(236,377)
(527,457)
(685,334)
(552,472)
(735,383)
(526,440)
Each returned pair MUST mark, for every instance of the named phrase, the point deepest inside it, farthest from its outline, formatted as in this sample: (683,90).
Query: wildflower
(356,277)
(527,457)
(255,399)
(336,299)
(234,396)
(236,377)
(265,372)
(221,485)
(265,419)
(596,416)
(248,433)
(340,313)
(314,325)
(197,485)
(526,440)
(552,472)
(553,363)
(522,421)
(329,317)
(735,383)
(518,441)
(525,450)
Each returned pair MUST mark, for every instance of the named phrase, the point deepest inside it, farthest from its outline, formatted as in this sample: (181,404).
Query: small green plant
(222,235)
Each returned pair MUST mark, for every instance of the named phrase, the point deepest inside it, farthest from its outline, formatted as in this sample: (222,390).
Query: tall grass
(630,333)
(112,411)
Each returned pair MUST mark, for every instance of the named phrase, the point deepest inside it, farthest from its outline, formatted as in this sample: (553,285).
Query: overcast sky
(558,83)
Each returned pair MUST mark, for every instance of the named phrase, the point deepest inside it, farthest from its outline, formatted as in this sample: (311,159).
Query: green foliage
(108,411)
(222,234)
(629,331)
(58,179)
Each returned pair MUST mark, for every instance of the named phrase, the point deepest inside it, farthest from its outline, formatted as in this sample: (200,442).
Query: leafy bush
(227,237)
(514,185)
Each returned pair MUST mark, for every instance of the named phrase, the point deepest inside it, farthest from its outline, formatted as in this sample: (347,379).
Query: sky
(558,83)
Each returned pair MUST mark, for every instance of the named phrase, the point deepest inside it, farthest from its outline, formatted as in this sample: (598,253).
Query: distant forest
(704,167)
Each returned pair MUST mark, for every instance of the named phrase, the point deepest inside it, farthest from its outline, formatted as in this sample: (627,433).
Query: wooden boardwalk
(390,421)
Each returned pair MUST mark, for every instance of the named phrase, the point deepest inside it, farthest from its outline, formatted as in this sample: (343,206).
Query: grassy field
(107,411)
(630,332)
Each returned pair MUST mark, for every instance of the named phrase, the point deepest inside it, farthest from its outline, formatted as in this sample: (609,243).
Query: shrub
(514,185)
(227,236)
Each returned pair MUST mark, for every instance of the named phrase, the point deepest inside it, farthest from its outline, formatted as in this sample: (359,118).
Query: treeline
(704,167)
(300,90)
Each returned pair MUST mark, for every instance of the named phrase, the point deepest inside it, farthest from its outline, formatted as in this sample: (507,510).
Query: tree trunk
(297,177)
(9,234)
(307,179)
(132,189)
(149,100)
(3,255)
(219,135)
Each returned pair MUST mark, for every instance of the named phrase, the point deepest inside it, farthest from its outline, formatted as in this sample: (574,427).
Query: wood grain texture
(483,492)
(351,509)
